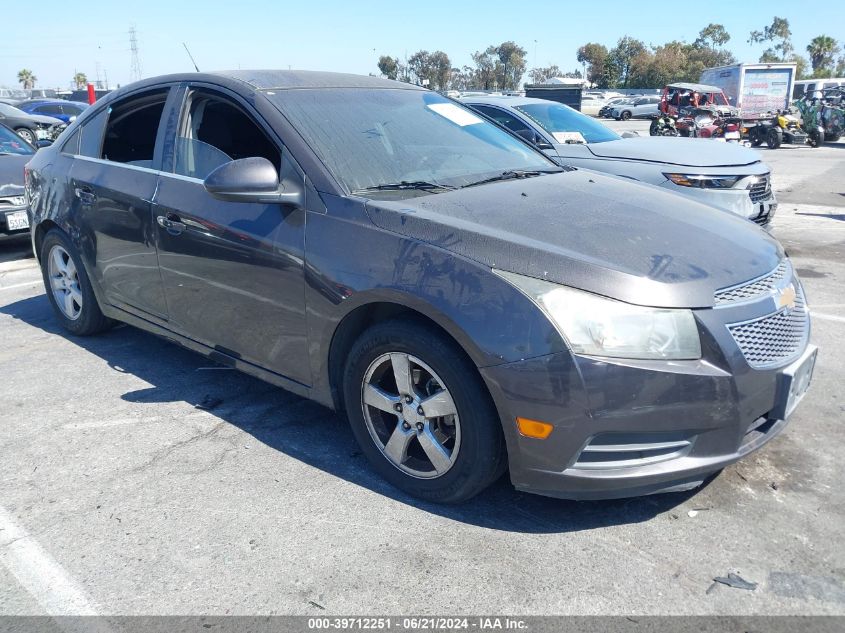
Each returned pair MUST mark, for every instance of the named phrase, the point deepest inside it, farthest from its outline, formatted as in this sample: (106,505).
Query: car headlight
(598,326)
(704,182)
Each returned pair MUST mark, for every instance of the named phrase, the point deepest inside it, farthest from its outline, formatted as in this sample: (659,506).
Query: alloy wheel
(64,282)
(411,415)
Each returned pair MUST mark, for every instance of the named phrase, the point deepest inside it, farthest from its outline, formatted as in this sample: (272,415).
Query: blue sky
(92,36)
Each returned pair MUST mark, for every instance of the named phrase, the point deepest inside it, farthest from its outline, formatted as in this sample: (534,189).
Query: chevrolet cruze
(472,306)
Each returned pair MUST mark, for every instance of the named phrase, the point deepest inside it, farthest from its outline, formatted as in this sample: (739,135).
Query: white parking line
(827,317)
(23,285)
(38,573)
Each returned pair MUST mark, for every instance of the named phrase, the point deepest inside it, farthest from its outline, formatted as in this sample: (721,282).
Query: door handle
(171,223)
(86,195)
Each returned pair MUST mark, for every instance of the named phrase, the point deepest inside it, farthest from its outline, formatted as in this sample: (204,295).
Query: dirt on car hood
(620,239)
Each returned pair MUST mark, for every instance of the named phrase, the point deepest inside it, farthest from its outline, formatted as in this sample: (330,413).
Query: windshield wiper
(514,174)
(420,185)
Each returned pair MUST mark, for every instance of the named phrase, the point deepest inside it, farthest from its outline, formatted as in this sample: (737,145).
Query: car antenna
(191,56)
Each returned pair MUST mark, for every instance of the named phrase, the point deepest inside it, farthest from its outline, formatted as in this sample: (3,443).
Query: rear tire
(69,288)
(654,128)
(469,453)
(815,138)
(755,136)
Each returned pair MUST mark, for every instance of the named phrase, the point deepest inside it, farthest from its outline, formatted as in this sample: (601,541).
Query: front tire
(69,288)
(626,115)
(27,135)
(774,138)
(815,138)
(421,413)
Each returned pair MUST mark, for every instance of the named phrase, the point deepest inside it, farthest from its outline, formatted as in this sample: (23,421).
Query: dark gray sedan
(471,305)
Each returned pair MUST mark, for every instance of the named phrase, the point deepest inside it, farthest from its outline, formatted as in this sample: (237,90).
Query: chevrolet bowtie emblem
(785,298)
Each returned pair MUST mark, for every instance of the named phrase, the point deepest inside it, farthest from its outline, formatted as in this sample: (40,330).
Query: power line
(135,70)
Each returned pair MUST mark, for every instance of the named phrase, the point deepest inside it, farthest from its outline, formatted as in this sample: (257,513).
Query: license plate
(17,220)
(732,135)
(793,383)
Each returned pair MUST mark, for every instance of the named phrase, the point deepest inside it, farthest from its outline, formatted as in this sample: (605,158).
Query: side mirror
(253,180)
(43,142)
(71,119)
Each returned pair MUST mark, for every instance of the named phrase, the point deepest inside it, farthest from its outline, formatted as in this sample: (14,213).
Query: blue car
(57,108)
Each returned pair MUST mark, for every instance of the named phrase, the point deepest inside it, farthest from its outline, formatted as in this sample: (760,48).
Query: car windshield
(370,138)
(11,143)
(567,125)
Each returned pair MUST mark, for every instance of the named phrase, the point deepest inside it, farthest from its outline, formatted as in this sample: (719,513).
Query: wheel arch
(378,310)
(40,233)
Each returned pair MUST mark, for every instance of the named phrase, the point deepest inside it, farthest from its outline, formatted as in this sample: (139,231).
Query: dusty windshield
(382,138)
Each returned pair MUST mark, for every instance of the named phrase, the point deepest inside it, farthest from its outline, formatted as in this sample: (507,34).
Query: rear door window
(132,128)
(503,118)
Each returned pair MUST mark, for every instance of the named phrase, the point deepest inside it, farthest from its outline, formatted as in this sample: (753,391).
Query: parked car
(14,154)
(590,104)
(727,176)
(30,127)
(639,108)
(606,110)
(471,305)
(56,108)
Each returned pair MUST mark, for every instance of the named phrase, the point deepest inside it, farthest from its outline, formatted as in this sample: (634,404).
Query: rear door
(233,272)
(113,179)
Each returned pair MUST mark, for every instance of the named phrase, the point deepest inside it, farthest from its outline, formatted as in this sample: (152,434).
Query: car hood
(11,174)
(633,242)
(40,118)
(686,152)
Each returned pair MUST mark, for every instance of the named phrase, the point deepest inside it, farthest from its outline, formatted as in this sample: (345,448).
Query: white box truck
(754,89)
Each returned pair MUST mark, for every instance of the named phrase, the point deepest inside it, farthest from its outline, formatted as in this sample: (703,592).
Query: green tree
(389,66)
(542,75)
(622,57)
(27,78)
(712,36)
(779,35)
(823,50)
(511,66)
(593,56)
(80,80)
(485,72)
(432,69)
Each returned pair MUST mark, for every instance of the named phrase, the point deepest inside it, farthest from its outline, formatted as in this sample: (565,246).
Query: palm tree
(27,79)
(822,49)
(81,80)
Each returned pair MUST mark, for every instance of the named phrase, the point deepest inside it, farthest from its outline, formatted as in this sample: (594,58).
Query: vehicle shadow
(15,247)
(317,436)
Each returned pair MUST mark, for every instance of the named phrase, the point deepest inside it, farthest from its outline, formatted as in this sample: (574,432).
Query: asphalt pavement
(119,496)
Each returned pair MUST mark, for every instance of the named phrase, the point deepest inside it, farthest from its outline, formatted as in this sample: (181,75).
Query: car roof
(695,87)
(47,101)
(504,100)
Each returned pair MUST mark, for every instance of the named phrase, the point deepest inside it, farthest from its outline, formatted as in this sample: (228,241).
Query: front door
(232,272)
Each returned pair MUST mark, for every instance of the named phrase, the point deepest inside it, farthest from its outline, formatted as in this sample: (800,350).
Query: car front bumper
(760,209)
(631,428)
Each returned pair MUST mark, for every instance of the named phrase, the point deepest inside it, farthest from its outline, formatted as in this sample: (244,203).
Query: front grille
(761,190)
(776,338)
(755,288)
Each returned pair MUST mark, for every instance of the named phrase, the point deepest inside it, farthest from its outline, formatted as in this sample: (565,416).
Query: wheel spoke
(397,446)
(402,373)
(437,455)
(69,309)
(76,295)
(438,405)
(379,399)
(57,282)
(58,261)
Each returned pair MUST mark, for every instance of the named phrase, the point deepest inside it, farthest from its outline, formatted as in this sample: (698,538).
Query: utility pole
(135,71)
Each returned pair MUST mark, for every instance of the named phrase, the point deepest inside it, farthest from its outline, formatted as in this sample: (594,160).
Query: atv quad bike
(780,127)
